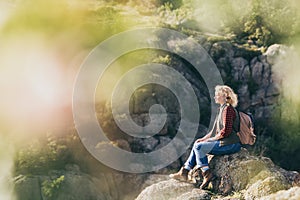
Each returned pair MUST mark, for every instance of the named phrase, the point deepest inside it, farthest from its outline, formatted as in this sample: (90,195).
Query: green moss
(260,176)
(51,187)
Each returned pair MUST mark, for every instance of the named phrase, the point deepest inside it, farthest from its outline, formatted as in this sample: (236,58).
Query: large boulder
(241,171)
(251,176)
(172,190)
(275,52)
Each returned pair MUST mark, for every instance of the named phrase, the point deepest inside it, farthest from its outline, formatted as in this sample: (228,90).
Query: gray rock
(264,187)
(271,100)
(290,194)
(267,71)
(195,194)
(244,97)
(240,69)
(273,90)
(266,112)
(171,190)
(257,176)
(275,52)
(253,177)
(257,72)
(123,144)
(27,188)
(257,98)
(153,179)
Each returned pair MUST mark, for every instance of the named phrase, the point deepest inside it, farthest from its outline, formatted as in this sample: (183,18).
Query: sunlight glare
(31,81)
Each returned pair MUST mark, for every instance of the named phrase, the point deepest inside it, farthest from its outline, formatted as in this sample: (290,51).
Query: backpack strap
(236,124)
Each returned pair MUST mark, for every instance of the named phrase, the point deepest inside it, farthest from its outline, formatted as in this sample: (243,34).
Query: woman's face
(219,98)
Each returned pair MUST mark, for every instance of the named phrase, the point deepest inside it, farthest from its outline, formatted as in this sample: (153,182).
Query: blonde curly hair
(228,93)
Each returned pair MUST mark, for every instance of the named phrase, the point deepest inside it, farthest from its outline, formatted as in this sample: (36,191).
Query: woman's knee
(197,145)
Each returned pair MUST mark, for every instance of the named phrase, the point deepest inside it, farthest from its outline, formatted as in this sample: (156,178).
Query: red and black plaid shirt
(228,117)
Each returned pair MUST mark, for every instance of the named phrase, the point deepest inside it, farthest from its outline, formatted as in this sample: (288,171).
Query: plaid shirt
(228,117)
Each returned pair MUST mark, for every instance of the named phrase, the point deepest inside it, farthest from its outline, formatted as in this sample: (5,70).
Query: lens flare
(32,82)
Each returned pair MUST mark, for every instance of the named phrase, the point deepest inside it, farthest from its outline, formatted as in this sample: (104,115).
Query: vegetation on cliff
(43,44)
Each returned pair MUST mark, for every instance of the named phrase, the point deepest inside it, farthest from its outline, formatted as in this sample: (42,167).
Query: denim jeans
(198,153)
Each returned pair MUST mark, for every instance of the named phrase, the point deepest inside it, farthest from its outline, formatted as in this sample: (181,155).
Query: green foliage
(67,23)
(54,152)
(284,136)
(173,4)
(255,22)
(173,18)
(260,23)
(40,156)
(104,21)
(163,59)
(264,22)
(51,187)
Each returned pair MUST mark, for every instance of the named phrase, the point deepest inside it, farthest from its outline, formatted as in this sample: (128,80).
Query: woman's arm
(228,117)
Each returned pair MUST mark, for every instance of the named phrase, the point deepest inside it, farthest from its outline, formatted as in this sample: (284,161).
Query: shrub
(51,187)
(268,22)
(41,155)
(284,136)
(173,18)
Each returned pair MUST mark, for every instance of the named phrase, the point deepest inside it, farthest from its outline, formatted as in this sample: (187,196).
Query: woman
(222,139)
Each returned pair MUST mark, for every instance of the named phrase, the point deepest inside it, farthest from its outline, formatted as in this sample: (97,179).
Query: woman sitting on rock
(222,139)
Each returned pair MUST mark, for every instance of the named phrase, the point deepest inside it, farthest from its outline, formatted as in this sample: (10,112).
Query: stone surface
(27,188)
(274,52)
(240,69)
(195,194)
(241,171)
(265,187)
(251,176)
(290,194)
(172,190)
(249,72)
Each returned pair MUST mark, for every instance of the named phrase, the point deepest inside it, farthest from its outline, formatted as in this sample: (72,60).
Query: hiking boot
(207,176)
(181,175)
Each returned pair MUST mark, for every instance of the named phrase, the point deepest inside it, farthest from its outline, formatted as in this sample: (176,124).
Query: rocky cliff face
(247,71)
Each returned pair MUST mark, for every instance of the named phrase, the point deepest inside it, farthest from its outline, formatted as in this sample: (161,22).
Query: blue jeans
(198,154)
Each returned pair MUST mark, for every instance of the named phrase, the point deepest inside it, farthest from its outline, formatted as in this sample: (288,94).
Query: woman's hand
(216,137)
(200,140)
(212,139)
(205,138)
